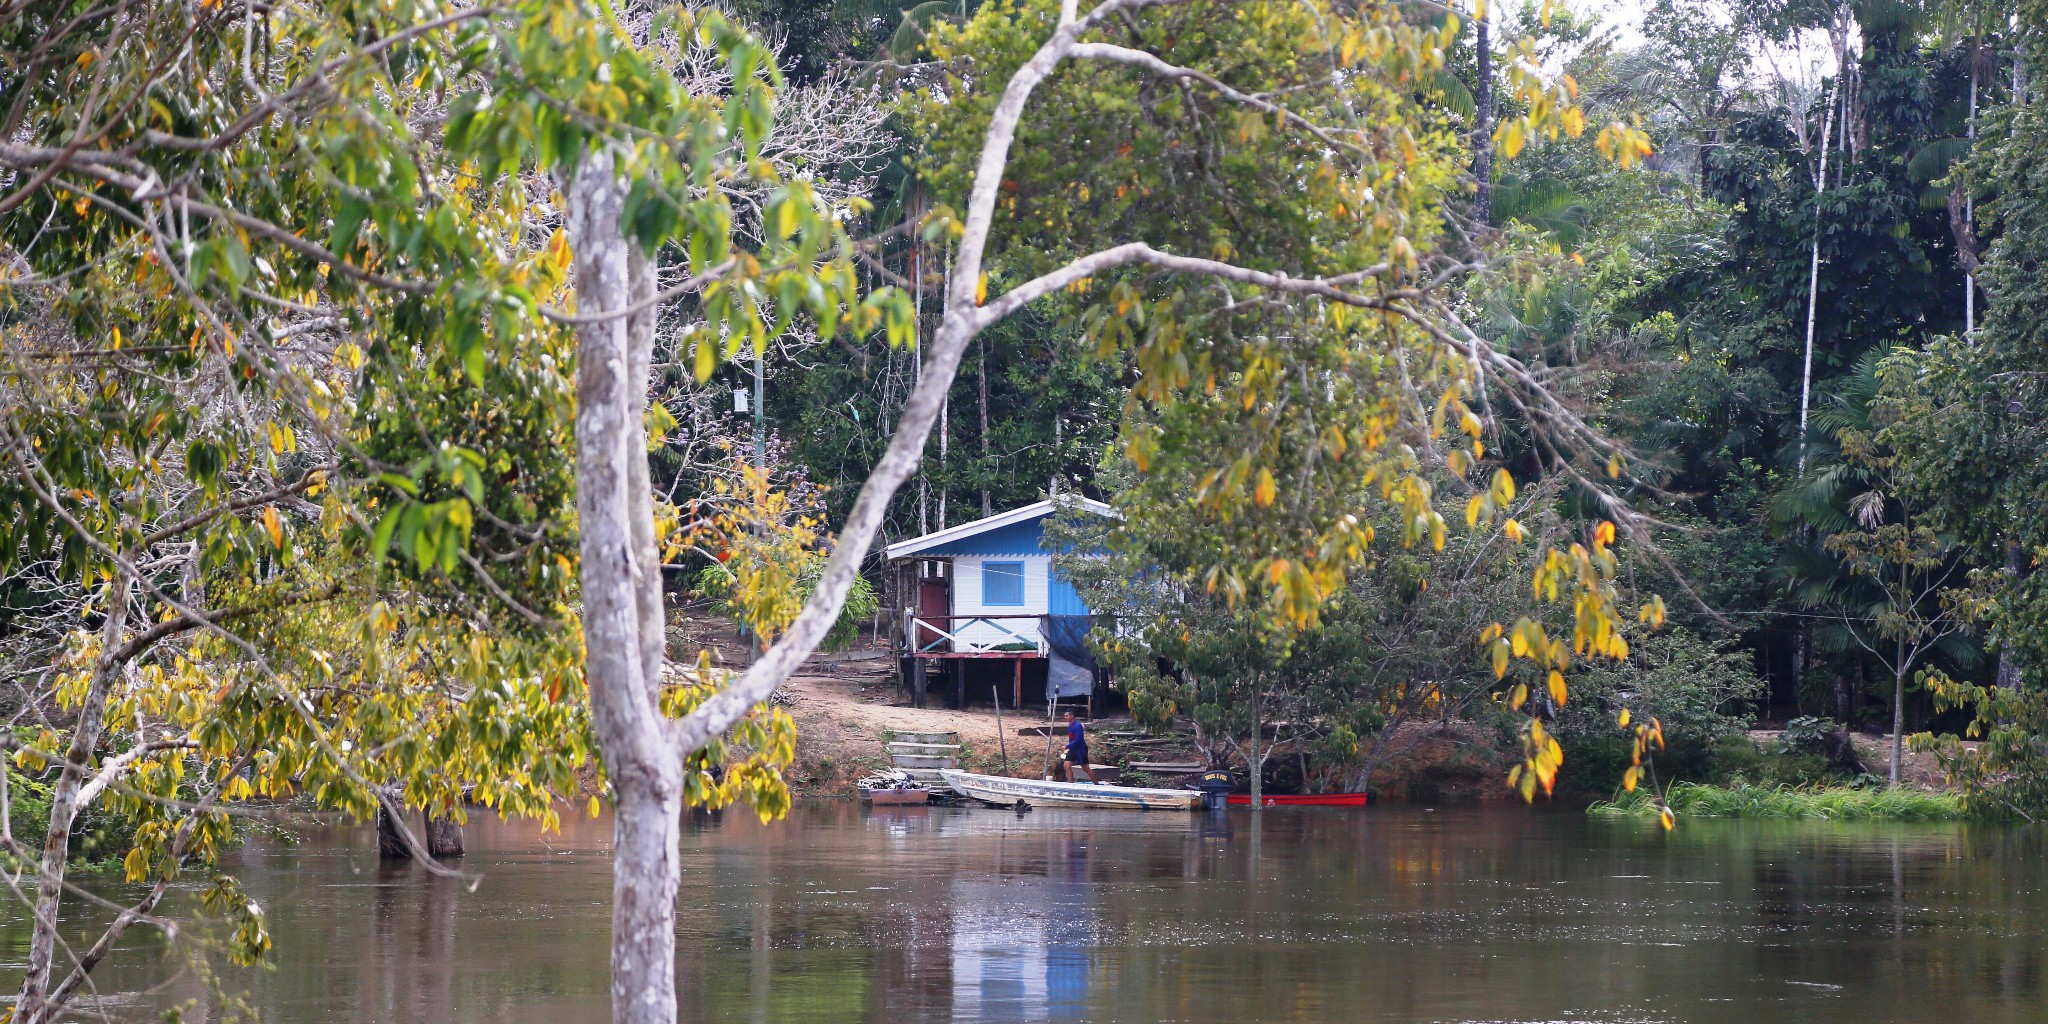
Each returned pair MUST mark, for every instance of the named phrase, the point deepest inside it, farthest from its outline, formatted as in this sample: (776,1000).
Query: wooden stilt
(1017,701)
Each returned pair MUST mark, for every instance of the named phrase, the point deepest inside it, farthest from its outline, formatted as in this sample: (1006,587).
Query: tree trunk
(34,1006)
(1256,763)
(1838,32)
(1482,135)
(1898,720)
(444,837)
(623,640)
(390,844)
(2009,663)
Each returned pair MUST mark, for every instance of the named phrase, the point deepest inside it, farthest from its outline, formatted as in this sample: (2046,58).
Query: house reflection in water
(1023,952)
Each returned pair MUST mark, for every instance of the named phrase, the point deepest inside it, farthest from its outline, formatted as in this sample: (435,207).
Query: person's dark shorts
(1077,753)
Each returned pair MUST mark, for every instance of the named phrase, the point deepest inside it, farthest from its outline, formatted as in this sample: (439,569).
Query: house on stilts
(983,615)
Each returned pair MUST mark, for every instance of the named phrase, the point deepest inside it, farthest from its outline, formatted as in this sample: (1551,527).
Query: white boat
(1007,792)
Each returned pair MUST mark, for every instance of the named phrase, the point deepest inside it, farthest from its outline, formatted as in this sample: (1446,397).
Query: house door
(933,605)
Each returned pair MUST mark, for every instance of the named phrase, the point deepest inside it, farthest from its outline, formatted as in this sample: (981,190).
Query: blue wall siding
(1062,598)
(1016,539)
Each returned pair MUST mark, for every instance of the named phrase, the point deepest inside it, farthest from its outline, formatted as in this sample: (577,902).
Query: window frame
(989,600)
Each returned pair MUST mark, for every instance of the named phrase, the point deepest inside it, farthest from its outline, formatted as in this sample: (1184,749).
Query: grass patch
(1828,803)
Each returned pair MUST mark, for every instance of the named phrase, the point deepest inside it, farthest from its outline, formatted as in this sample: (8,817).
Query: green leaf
(380,540)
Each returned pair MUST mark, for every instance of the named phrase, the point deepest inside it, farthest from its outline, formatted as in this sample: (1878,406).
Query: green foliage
(760,535)
(1691,799)
(287,385)
(2006,770)
(1805,734)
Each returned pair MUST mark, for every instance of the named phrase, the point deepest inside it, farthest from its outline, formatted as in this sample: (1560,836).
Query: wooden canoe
(1303,799)
(1007,792)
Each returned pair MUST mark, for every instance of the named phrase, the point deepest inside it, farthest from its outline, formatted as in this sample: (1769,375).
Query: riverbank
(1823,803)
(847,707)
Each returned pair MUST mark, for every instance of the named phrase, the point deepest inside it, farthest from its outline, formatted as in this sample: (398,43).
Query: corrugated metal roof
(1015,532)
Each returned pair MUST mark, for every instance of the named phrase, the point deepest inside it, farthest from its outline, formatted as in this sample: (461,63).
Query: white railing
(971,634)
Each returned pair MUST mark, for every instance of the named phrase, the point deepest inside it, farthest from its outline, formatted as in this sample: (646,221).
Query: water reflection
(913,915)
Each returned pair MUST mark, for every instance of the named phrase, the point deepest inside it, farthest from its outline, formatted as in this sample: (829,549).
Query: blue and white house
(986,590)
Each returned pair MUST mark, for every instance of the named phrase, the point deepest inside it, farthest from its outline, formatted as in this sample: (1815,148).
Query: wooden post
(1017,701)
(1002,742)
(918,676)
(390,845)
(959,670)
(444,837)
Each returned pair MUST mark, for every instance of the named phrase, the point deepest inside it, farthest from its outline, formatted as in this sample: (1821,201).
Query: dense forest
(1773,311)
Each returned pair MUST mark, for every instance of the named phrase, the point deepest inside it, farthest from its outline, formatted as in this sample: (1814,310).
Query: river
(840,914)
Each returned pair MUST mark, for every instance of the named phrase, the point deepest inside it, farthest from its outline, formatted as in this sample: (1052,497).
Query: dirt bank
(1918,770)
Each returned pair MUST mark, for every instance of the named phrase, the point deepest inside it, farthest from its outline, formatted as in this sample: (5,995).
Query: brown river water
(840,915)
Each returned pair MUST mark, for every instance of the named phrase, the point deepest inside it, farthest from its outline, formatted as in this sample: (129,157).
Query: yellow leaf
(1628,779)
(981,288)
(1665,818)
(1518,696)
(1514,531)
(1511,139)
(1557,688)
(136,864)
(1623,721)
(595,808)
(1503,486)
(1266,490)
(272,526)
(1500,658)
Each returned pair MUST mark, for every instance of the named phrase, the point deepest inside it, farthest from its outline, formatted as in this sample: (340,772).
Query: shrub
(1807,734)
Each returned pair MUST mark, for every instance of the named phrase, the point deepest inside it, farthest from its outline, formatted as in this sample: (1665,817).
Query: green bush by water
(1828,803)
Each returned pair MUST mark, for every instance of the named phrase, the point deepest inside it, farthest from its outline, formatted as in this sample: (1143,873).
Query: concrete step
(924,761)
(926,737)
(901,747)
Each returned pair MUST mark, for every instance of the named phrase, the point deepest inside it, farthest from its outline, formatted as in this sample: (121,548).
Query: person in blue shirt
(1077,749)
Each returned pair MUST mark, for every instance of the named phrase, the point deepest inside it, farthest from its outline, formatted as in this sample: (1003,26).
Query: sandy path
(843,719)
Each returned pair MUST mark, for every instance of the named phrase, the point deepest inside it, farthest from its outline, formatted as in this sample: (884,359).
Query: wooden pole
(1048,729)
(1002,742)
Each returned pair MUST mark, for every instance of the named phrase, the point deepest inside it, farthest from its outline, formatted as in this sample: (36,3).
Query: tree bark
(1256,763)
(1898,714)
(1838,32)
(390,845)
(2008,662)
(34,1006)
(622,622)
(1482,136)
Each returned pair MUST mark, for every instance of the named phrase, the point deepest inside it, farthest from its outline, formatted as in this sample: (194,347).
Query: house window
(1002,583)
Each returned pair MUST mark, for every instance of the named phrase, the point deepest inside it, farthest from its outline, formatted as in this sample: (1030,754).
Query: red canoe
(1304,799)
